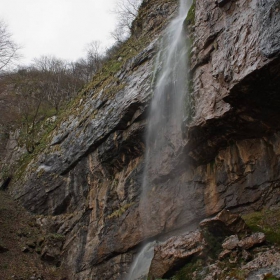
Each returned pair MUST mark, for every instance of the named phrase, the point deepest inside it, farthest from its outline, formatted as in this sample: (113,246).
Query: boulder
(51,249)
(224,224)
(230,242)
(173,253)
(252,240)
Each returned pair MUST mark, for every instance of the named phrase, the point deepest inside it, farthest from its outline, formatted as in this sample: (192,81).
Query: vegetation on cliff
(52,87)
(224,260)
(84,173)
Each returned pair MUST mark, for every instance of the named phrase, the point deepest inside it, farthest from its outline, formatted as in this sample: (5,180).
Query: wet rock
(252,240)
(231,242)
(174,252)
(269,18)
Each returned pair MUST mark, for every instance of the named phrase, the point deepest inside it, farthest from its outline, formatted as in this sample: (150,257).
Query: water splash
(141,264)
(163,136)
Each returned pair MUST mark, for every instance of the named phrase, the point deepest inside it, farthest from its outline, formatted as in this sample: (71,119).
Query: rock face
(236,74)
(87,181)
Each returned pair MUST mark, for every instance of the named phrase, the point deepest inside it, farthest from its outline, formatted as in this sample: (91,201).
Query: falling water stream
(163,135)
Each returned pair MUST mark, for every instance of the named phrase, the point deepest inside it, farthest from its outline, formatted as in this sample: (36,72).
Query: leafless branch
(8,49)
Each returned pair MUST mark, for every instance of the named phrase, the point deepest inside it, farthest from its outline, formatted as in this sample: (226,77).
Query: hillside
(21,245)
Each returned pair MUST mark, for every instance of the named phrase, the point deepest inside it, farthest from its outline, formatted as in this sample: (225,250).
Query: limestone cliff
(87,181)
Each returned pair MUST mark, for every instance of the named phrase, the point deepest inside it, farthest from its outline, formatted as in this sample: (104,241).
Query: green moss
(190,19)
(270,276)
(5,173)
(111,91)
(4,266)
(106,76)
(120,211)
(39,146)
(189,102)
(266,221)
(214,243)
(237,274)
(56,237)
(212,166)
(22,165)
(187,271)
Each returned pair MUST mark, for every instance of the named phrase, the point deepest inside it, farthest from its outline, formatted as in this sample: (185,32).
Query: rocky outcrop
(264,265)
(175,252)
(236,74)
(233,242)
(201,248)
(252,240)
(87,182)
(223,224)
(23,245)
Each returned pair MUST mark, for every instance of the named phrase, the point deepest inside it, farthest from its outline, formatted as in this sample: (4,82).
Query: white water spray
(163,135)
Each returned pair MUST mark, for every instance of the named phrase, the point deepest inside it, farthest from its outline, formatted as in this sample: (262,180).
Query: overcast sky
(57,27)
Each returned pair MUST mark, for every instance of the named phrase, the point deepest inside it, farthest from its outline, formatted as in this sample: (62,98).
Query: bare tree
(94,56)
(8,48)
(58,80)
(126,11)
(80,70)
(32,94)
(120,34)
(85,68)
(49,64)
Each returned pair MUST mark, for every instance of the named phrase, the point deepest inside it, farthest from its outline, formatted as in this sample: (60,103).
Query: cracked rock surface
(86,184)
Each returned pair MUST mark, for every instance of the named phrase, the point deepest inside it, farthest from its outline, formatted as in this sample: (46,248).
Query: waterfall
(163,135)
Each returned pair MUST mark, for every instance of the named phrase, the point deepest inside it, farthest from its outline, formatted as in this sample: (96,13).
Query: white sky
(58,27)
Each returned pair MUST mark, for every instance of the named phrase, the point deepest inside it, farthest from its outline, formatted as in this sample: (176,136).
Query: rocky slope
(26,252)
(86,183)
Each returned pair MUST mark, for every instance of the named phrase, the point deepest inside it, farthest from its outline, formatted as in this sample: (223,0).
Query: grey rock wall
(87,182)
